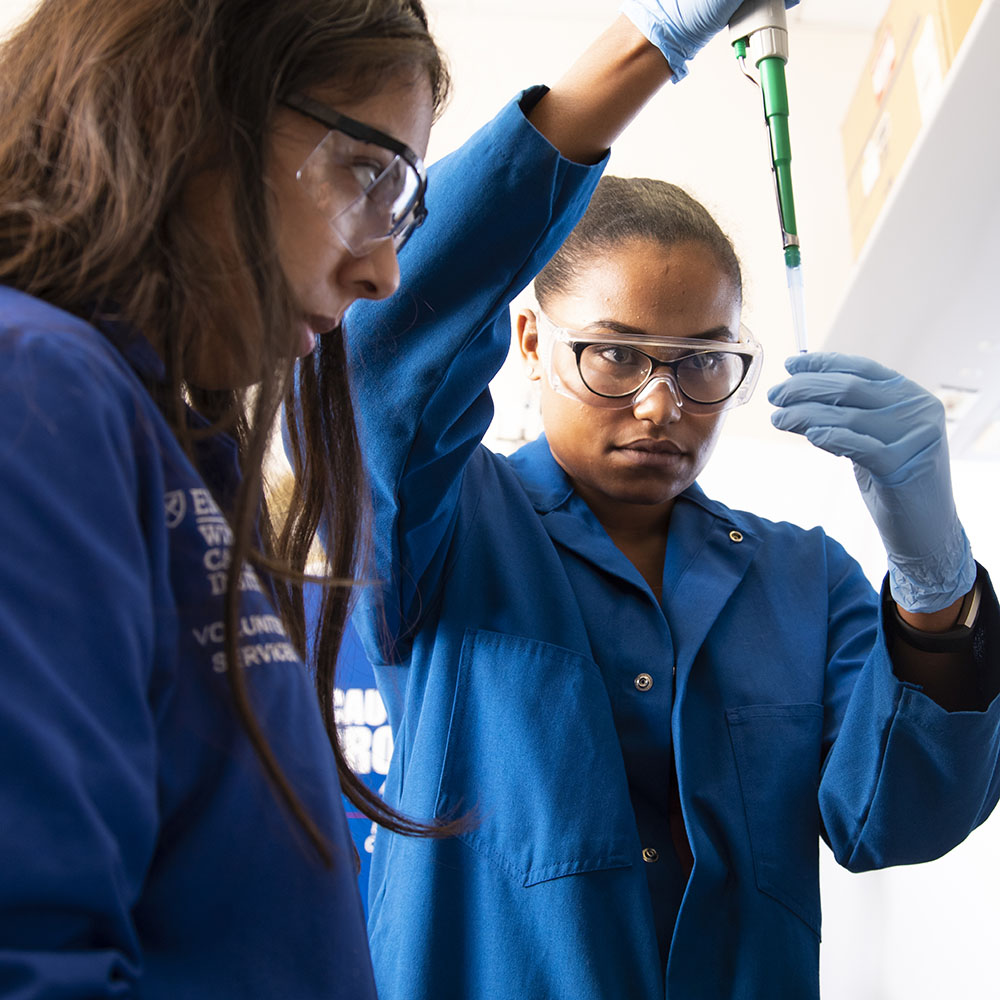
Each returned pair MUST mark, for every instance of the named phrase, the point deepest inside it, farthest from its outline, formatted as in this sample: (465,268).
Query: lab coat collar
(710,550)
(543,479)
(565,515)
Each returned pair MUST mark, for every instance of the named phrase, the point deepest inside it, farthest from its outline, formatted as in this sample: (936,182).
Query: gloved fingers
(841,389)
(833,361)
(890,426)
(851,381)
(844,442)
(885,446)
(814,415)
(826,389)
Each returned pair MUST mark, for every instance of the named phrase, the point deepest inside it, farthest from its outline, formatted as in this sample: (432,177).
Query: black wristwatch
(955,640)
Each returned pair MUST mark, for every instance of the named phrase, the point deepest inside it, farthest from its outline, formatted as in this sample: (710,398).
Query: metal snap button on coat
(643,682)
(736,536)
(650,854)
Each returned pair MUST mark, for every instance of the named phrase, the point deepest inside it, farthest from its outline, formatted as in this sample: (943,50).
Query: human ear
(527,341)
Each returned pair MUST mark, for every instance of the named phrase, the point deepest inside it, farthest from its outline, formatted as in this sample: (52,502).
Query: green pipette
(759,29)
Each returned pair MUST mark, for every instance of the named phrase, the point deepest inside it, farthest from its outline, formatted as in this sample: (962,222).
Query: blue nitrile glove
(681,28)
(893,430)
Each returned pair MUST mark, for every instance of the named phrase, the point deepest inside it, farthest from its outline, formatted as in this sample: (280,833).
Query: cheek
(308,249)
(577,433)
(708,438)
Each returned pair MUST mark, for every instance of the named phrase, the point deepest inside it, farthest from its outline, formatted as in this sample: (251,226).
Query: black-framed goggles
(612,371)
(368,185)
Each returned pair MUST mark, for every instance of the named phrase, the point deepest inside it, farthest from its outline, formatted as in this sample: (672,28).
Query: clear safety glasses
(369,186)
(611,371)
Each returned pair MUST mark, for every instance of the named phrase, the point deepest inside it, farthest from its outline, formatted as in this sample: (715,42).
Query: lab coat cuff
(980,641)
(526,101)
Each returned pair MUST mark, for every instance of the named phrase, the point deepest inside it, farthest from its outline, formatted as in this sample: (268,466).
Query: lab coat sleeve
(905,780)
(78,801)
(498,208)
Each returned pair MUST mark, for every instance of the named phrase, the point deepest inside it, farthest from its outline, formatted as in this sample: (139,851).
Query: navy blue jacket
(508,633)
(142,850)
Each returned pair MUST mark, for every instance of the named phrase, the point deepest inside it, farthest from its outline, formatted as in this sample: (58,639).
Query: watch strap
(954,640)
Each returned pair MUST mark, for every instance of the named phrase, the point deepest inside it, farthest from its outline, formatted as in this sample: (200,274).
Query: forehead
(402,108)
(664,291)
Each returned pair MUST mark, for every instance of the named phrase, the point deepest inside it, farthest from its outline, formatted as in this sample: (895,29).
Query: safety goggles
(611,371)
(369,186)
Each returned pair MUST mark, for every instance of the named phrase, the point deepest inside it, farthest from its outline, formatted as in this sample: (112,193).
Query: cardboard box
(958,18)
(902,82)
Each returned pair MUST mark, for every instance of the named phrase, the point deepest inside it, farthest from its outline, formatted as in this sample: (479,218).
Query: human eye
(365,172)
(706,361)
(616,356)
(364,162)
(718,368)
(391,183)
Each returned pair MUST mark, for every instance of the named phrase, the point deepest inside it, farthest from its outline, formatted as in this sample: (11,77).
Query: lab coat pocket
(532,751)
(777,752)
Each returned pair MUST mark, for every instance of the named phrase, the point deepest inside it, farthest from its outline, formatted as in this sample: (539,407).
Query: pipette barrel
(775,93)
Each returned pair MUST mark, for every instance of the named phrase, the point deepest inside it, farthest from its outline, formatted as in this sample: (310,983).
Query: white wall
(11,11)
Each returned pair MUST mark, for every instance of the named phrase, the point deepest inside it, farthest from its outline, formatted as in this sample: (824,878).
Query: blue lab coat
(143,851)
(508,633)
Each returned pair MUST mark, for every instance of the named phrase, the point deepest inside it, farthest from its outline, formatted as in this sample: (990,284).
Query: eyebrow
(625,330)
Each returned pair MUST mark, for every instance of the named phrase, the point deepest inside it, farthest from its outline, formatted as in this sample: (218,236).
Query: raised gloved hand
(893,431)
(681,28)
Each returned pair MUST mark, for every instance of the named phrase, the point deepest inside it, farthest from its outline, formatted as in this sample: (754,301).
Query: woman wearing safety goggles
(646,707)
(191,195)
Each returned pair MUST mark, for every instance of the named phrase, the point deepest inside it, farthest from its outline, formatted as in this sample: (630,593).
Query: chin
(652,488)
(647,495)
(658,500)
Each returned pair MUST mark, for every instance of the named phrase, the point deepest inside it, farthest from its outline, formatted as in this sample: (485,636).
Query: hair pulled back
(624,209)
(109,109)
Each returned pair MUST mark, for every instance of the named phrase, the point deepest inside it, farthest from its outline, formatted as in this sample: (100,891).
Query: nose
(374,275)
(659,401)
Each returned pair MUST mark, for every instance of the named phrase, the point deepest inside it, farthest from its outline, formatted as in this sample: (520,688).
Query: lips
(652,447)
(322,324)
(313,326)
(658,456)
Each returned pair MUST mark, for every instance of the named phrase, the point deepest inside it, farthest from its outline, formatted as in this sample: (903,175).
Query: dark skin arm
(601,93)
(933,621)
